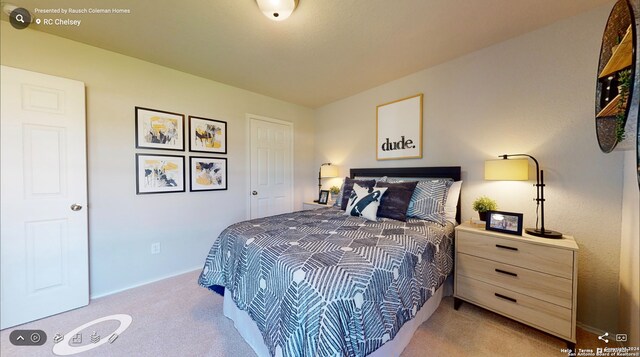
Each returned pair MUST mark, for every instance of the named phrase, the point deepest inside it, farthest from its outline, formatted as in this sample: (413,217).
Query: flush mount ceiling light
(277,10)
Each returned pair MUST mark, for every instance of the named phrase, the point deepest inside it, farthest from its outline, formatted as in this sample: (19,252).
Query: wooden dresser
(529,279)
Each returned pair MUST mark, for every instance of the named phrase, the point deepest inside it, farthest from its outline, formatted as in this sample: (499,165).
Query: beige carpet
(176,317)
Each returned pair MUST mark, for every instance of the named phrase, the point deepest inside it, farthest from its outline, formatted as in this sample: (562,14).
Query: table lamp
(518,170)
(326,171)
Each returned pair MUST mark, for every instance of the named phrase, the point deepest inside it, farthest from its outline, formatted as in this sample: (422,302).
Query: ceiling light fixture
(277,10)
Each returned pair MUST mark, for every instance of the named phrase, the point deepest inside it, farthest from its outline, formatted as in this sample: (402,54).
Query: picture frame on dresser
(504,222)
(323,198)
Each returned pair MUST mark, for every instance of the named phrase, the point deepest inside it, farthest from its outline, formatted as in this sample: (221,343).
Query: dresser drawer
(541,314)
(542,286)
(550,260)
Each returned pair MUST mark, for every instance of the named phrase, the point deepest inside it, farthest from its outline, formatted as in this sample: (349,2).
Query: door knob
(76,207)
(254,193)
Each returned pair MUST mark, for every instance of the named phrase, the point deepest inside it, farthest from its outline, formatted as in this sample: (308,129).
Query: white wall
(630,254)
(122,224)
(532,94)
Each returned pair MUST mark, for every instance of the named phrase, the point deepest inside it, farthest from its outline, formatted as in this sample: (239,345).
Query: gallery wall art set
(162,130)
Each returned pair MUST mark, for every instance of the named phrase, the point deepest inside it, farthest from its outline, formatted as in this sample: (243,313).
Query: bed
(322,283)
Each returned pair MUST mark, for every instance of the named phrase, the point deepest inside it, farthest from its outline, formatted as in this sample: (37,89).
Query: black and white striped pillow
(364,202)
(427,201)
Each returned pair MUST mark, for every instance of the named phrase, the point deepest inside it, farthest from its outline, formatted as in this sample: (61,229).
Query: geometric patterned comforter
(319,283)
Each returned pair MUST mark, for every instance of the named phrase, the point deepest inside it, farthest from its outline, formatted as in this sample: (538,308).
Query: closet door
(271,167)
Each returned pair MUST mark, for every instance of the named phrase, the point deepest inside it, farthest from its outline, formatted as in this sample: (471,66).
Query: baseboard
(97,296)
(599,332)
(591,329)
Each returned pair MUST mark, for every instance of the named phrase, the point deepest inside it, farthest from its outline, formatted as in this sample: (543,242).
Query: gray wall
(532,94)
(122,225)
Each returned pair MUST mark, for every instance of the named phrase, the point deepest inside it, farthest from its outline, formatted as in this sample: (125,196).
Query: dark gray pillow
(348,187)
(395,202)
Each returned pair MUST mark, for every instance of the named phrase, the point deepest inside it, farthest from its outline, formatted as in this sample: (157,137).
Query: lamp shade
(277,10)
(506,170)
(328,171)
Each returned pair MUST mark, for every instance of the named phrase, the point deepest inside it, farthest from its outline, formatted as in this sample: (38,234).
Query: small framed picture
(159,173)
(324,197)
(505,222)
(208,173)
(157,129)
(207,135)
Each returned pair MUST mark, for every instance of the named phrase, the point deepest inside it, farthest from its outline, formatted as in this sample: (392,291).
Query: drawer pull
(506,247)
(505,297)
(505,272)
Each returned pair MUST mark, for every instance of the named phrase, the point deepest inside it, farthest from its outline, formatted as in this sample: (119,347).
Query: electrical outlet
(155,248)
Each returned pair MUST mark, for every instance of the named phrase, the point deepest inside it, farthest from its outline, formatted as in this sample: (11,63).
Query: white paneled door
(44,238)
(271,167)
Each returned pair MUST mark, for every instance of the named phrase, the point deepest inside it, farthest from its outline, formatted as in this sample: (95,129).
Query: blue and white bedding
(320,283)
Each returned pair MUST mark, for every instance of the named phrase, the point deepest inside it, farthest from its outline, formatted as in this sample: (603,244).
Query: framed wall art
(159,173)
(207,135)
(505,222)
(157,129)
(399,129)
(208,173)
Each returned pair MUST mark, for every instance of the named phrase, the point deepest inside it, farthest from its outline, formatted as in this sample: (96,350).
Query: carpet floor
(176,317)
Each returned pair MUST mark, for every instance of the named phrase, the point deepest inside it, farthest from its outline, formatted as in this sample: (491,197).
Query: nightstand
(314,205)
(529,279)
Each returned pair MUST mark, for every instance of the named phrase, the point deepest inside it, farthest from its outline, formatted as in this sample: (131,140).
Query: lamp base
(544,234)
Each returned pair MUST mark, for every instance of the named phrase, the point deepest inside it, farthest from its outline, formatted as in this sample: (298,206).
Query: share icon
(606,334)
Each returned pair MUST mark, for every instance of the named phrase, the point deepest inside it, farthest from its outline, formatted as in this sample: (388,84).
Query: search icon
(20,18)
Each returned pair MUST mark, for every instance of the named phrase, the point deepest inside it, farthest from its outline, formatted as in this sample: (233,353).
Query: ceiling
(327,50)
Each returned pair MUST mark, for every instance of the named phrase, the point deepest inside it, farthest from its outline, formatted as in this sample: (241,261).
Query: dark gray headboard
(453,172)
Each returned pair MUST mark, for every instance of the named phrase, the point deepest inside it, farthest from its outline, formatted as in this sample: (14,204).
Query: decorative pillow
(427,201)
(364,202)
(451,203)
(347,187)
(396,201)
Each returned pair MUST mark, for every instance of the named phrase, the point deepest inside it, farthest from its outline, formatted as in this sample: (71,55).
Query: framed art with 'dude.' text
(399,129)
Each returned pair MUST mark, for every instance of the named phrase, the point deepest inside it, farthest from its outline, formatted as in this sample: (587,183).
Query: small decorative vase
(483,216)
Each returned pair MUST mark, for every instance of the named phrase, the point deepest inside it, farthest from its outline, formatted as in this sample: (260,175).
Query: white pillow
(451,203)
(364,202)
